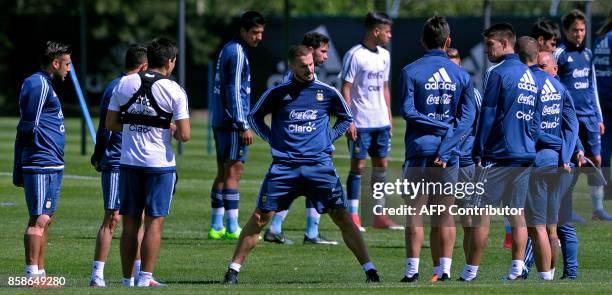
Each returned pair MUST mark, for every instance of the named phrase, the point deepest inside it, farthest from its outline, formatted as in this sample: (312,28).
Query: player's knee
(37,228)
(113,222)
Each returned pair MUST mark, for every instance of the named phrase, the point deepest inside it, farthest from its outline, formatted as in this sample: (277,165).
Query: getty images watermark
(467,198)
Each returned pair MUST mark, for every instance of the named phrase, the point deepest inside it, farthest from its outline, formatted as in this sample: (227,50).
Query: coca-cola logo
(580,73)
(552,110)
(303,115)
(526,99)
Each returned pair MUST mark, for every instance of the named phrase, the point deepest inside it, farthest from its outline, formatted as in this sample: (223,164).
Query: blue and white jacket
(438,105)
(602,61)
(107,151)
(508,122)
(465,148)
(300,131)
(577,73)
(232,91)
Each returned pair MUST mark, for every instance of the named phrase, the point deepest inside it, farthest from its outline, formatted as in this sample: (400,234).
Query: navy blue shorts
(423,169)
(466,174)
(110,189)
(588,132)
(42,190)
(148,191)
(543,201)
(318,182)
(375,142)
(229,146)
(503,182)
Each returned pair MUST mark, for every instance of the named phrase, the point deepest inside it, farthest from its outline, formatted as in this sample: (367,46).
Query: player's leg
(313,218)
(414,171)
(217,210)
(520,186)
(43,248)
(231,197)
(553,240)
(589,134)
(128,246)
(565,229)
(445,222)
(132,185)
(149,248)
(536,212)
(358,152)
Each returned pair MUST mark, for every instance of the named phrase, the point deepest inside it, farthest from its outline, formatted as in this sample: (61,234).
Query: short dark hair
(314,39)
(159,51)
(250,19)
(52,50)
(376,18)
(546,29)
(135,55)
(453,53)
(435,32)
(297,50)
(501,31)
(527,49)
(571,17)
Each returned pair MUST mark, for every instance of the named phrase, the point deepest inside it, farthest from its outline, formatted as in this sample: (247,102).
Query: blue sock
(569,249)
(231,201)
(507,225)
(529,258)
(276,225)
(217,209)
(312,221)
(353,191)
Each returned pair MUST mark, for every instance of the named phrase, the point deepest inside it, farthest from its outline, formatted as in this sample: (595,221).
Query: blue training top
(107,151)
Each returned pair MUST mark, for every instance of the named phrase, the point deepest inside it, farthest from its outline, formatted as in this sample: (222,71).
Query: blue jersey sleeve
(238,105)
(569,129)
(31,101)
(463,124)
(488,111)
(343,115)
(412,115)
(102,135)
(593,88)
(259,112)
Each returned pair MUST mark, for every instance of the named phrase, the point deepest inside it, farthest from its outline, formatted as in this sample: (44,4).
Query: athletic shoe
(97,282)
(231,277)
(507,241)
(412,279)
(601,215)
(434,278)
(357,221)
(518,278)
(155,284)
(568,277)
(216,234)
(445,277)
(233,236)
(319,240)
(577,218)
(460,279)
(384,222)
(276,238)
(372,276)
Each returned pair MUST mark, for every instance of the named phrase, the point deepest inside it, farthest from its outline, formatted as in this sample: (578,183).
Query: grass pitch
(189,263)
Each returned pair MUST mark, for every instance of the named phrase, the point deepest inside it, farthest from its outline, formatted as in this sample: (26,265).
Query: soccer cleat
(233,236)
(567,277)
(231,277)
(601,215)
(276,238)
(155,284)
(461,279)
(372,276)
(319,240)
(384,222)
(507,241)
(216,234)
(357,221)
(434,278)
(445,277)
(97,282)
(411,279)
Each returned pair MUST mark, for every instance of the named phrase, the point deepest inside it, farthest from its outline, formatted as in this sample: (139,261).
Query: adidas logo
(570,59)
(527,82)
(549,92)
(287,97)
(602,47)
(440,80)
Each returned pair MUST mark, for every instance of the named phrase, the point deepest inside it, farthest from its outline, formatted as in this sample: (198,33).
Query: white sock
(42,273)
(596,197)
(235,266)
(144,278)
(128,282)
(545,275)
(137,264)
(97,269)
(437,271)
(367,266)
(412,266)
(31,270)
(469,272)
(552,273)
(445,266)
(516,269)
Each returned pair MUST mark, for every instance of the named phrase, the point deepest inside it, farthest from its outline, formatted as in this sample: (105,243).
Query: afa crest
(320,96)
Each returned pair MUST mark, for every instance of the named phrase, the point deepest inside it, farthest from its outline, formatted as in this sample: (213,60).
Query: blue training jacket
(577,73)
(559,124)
(300,131)
(438,105)
(603,70)
(107,151)
(466,146)
(40,132)
(232,93)
(508,123)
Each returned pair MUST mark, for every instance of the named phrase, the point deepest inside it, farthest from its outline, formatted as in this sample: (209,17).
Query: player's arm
(236,100)
(259,112)
(347,76)
(31,101)
(102,134)
(569,128)
(412,116)
(463,124)
(346,93)
(180,113)
(113,118)
(593,87)
(387,95)
(343,115)
(183,130)
(487,113)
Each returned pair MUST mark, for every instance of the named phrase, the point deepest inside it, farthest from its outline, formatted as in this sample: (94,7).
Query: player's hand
(351,133)
(94,162)
(247,137)
(580,158)
(440,163)
(602,128)
(567,167)
(172,128)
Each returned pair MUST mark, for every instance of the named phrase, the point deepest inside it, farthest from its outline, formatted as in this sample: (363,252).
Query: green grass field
(190,263)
